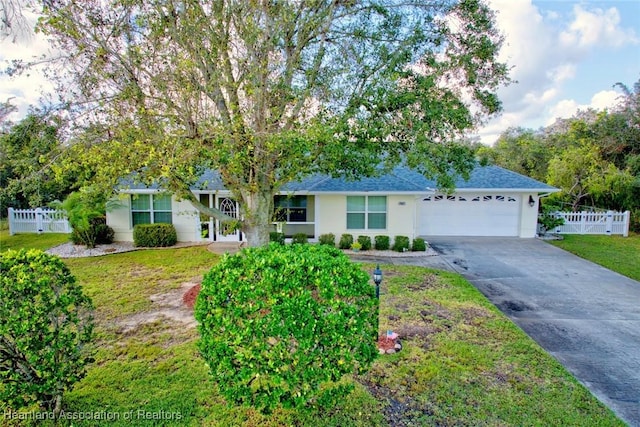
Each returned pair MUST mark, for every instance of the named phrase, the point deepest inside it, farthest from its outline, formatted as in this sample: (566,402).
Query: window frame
(150,210)
(367,212)
(284,204)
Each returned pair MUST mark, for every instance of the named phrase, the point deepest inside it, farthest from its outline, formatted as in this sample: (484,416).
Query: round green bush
(365,242)
(346,240)
(299,238)
(419,245)
(276,237)
(381,243)
(45,324)
(280,325)
(327,239)
(400,244)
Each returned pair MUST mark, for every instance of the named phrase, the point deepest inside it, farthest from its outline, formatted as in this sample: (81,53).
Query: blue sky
(565,55)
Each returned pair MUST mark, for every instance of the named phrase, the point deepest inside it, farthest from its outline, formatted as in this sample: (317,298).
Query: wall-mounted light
(531,201)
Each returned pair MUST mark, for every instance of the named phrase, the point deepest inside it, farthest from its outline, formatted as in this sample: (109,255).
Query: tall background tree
(267,92)
(594,157)
(29,153)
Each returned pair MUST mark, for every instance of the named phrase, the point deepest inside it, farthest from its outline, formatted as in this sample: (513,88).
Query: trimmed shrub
(299,238)
(154,235)
(45,325)
(280,325)
(419,245)
(346,240)
(328,239)
(365,242)
(401,244)
(381,243)
(276,237)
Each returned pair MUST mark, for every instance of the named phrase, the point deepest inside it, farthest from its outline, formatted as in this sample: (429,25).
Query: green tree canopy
(594,157)
(27,152)
(266,92)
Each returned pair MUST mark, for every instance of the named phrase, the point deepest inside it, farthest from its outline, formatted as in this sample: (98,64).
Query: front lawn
(617,253)
(31,240)
(463,362)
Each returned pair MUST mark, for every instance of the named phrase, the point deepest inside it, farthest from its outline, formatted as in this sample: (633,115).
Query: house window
(291,209)
(366,212)
(150,209)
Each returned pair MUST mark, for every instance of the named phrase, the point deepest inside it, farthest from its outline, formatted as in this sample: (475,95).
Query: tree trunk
(257,209)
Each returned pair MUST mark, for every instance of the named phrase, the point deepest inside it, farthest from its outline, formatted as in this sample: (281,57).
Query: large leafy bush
(280,325)
(86,212)
(45,323)
(98,232)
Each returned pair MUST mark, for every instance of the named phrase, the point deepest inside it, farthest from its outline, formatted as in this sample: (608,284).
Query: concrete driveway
(584,315)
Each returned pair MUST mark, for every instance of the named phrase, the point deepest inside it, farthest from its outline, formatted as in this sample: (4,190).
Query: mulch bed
(189,297)
(388,345)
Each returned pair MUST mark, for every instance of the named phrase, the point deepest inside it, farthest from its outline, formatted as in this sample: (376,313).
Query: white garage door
(469,215)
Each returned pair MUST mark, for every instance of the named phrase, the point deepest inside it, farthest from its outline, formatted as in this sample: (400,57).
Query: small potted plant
(355,246)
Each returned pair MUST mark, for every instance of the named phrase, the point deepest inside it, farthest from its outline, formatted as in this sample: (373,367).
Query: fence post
(609,223)
(627,223)
(10,217)
(39,226)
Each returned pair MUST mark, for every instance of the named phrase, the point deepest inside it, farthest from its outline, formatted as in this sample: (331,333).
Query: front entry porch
(293,214)
(214,230)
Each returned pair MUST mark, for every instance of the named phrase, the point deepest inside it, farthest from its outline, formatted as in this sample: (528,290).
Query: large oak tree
(268,91)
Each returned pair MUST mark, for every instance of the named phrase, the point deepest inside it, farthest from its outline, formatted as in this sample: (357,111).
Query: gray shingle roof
(401,179)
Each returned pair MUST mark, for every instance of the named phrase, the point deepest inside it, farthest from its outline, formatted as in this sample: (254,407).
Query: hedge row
(347,241)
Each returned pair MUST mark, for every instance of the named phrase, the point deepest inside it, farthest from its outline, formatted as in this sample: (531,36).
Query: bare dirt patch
(170,306)
(430,281)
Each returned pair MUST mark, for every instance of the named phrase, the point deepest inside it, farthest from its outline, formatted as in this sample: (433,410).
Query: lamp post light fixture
(377,279)
(531,201)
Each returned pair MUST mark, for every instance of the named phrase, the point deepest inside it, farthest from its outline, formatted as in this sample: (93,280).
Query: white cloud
(596,27)
(561,73)
(566,108)
(545,50)
(27,88)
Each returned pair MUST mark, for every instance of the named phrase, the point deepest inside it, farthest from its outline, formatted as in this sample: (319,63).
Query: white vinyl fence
(609,222)
(38,221)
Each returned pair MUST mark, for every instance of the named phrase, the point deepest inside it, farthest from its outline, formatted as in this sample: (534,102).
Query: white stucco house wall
(493,202)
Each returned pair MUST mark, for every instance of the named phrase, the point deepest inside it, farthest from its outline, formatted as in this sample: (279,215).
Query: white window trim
(366,211)
(150,211)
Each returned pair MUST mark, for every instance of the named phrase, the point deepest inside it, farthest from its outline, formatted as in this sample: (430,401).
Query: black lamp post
(377,279)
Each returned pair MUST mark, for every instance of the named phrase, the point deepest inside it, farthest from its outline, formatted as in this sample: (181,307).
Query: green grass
(620,254)
(27,240)
(463,362)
